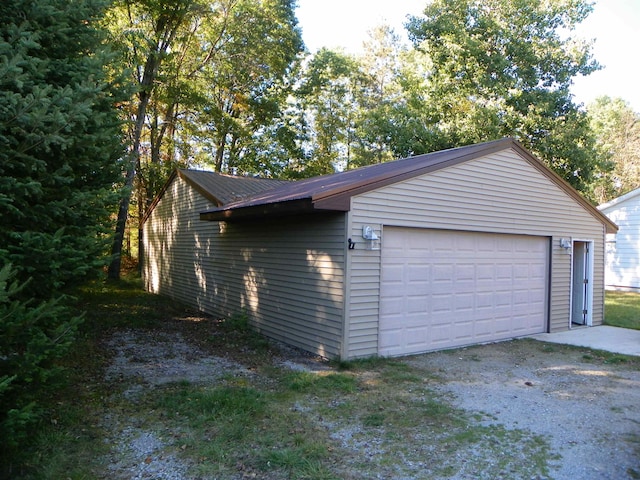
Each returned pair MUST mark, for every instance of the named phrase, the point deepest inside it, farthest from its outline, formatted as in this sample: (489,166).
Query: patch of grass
(594,356)
(123,304)
(69,442)
(210,404)
(615,359)
(232,427)
(377,419)
(238,322)
(622,309)
(603,357)
(304,460)
(375,416)
(314,382)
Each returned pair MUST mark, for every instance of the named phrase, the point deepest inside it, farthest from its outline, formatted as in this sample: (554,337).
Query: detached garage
(468,245)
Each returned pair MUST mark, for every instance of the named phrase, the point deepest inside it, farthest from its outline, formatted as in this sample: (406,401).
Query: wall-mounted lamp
(351,244)
(565,243)
(372,240)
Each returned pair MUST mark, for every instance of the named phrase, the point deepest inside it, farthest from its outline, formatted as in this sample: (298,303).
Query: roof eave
(271,210)
(199,188)
(619,200)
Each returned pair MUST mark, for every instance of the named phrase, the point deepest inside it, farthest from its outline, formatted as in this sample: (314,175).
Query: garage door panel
(459,288)
(464,302)
(417,304)
(394,273)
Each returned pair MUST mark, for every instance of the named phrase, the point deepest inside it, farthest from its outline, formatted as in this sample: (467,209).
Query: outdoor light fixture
(565,243)
(372,240)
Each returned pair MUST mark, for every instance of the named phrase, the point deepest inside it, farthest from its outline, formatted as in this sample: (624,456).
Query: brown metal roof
(225,189)
(218,188)
(334,192)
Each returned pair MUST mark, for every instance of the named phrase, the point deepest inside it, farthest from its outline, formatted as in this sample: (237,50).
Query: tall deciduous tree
(503,68)
(380,65)
(209,75)
(243,89)
(147,29)
(617,130)
(329,102)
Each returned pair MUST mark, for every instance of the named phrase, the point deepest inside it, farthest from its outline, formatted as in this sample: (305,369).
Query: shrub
(32,336)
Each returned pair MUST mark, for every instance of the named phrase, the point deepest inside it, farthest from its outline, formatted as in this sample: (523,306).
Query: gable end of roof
(619,200)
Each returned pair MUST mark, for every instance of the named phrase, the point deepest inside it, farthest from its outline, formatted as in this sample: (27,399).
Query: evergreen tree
(59,142)
(59,168)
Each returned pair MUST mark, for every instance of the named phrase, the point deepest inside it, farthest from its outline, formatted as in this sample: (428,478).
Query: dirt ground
(589,411)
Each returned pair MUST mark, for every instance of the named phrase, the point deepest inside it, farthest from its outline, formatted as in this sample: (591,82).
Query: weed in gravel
(226,422)
(601,357)
(616,359)
(597,357)
(326,382)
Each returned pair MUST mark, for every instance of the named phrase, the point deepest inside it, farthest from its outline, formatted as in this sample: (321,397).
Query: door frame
(587,267)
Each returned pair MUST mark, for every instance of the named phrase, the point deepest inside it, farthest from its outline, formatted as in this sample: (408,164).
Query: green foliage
(617,130)
(59,166)
(32,337)
(500,68)
(328,97)
(59,142)
(479,70)
(217,88)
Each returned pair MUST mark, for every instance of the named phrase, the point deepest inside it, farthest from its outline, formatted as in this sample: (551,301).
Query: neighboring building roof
(620,199)
(219,188)
(334,192)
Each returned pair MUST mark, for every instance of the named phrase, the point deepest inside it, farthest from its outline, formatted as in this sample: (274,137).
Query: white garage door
(443,289)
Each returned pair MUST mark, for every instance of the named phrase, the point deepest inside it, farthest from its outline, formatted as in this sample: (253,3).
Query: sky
(614,25)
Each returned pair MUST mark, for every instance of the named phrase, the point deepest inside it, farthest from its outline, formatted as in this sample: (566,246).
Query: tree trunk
(171,16)
(123,210)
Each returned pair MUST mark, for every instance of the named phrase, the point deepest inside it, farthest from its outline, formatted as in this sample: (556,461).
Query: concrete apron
(603,337)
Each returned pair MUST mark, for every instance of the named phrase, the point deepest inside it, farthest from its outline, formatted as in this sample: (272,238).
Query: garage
(469,245)
(443,288)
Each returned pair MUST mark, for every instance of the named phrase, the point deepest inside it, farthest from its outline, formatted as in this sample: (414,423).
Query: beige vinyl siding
(287,275)
(498,193)
(167,250)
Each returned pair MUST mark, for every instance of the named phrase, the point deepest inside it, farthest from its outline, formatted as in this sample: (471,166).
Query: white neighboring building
(622,267)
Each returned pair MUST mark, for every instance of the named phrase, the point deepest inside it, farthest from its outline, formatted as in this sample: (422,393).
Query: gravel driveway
(589,411)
